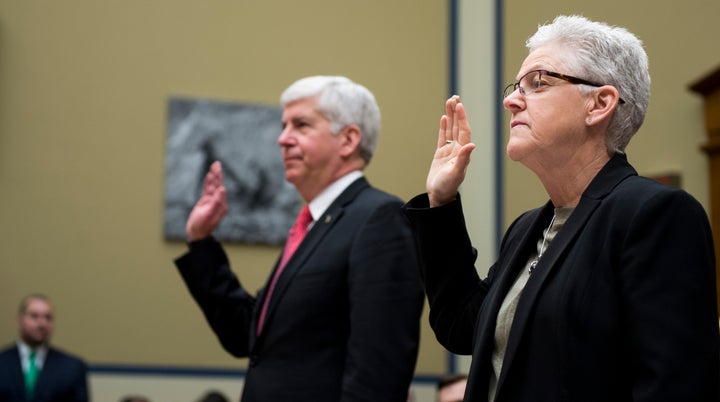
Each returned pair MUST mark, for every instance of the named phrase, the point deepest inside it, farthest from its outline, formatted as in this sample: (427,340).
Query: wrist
(435,200)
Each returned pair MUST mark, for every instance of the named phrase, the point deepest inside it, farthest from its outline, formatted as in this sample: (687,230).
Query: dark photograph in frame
(262,205)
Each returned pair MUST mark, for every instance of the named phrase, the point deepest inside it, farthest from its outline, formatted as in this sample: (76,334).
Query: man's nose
(285,137)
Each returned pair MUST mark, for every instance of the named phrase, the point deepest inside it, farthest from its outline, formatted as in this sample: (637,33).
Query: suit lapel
(516,252)
(546,265)
(614,172)
(49,371)
(16,372)
(312,240)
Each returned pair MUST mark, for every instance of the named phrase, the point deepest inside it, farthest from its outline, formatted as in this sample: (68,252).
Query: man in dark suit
(339,318)
(34,371)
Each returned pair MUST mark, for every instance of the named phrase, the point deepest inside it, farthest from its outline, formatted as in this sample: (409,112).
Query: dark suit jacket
(343,322)
(621,306)
(63,378)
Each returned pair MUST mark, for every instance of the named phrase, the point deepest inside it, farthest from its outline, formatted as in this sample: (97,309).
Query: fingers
(452,156)
(449,128)
(210,209)
(455,101)
(216,167)
(218,208)
(442,139)
(214,197)
(213,178)
(454,122)
(450,113)
(463,157)
(463,126)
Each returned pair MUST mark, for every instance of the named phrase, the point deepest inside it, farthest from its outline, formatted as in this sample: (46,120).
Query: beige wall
(83,92)
(681,41)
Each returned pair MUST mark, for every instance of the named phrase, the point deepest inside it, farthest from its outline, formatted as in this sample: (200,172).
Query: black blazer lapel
(515,251)
(512,259)
(614,172)
(14,370)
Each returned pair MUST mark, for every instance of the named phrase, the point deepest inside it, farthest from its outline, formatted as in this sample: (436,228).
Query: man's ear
(602,105)
(350,137)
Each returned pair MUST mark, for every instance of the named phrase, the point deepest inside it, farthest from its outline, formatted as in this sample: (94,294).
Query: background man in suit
(339,318)
(32,370)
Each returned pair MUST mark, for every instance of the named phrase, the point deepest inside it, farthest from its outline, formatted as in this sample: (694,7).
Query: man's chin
(290,177)
(36,341)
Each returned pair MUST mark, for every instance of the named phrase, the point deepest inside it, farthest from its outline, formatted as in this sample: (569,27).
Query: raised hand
(452,156)
(210,209)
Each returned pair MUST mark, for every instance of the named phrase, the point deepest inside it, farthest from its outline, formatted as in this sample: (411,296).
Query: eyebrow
(303,118)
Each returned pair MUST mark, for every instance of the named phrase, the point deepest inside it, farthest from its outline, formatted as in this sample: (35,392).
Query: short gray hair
(343,102)
(607,55)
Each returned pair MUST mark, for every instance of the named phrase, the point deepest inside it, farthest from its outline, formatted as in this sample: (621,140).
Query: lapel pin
(328,218)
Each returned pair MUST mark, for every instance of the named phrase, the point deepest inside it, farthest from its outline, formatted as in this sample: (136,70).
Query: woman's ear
(602,105)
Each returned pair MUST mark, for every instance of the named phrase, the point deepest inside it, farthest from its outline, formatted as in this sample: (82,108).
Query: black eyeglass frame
(573,80)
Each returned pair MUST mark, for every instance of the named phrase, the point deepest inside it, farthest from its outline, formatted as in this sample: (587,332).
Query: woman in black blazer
(605,293)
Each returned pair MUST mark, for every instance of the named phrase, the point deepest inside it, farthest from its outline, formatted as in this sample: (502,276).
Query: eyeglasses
(532,81)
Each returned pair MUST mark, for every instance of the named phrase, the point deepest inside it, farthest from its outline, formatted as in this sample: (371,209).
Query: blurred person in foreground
(339,318)
(32,370)
(213,396)
(605,293)
(134,398)
(451,388)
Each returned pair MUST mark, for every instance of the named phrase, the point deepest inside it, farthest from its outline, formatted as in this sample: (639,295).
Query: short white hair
(343,102)
(607,55)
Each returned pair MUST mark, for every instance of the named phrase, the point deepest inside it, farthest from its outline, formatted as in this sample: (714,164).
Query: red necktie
(297,232)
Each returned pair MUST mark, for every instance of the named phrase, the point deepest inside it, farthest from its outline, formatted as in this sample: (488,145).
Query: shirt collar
(321,203)
(40,353)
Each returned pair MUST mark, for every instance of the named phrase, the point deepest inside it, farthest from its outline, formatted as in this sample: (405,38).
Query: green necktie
(31,376)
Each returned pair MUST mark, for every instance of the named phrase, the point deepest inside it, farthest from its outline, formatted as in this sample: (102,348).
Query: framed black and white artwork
(262,205)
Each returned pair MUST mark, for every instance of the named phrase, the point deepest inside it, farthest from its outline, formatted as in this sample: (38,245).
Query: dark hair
(26,300)
(134,398)
(214,396)
(450,379)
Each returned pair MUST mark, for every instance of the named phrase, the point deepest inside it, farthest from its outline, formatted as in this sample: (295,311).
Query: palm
(452,156)
(210,209)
